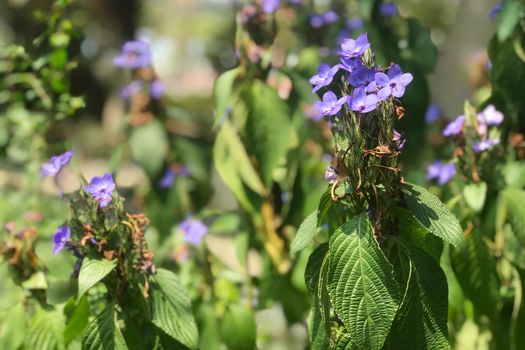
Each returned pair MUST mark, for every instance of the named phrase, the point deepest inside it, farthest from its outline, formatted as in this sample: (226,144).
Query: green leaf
(509,17)
(432,214)
(149,147)
(13,328)
(421,321)
(344,342)
(103,333)
(361,282)
(319,338)
(513,250)
(475,194)
(77,314)
(238,328)
(93,271)
(475,269)
(222,92)
(514,174)
(268,128)
(171,308)
(515,199)
(305,234)
(46,330)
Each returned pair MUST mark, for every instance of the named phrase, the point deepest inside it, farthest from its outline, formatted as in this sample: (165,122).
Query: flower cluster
(370,85)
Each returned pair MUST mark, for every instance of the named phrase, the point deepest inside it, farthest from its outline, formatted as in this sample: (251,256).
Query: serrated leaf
(13,328)
(361,283)
(344,342)
(432,214)
(268,127)
(238,328)
(222,92)
(171,308)
(475,194)
(103,333)
(149,147)
(421,321)
(93,271)
(476,271)
(305,234)
(46,330)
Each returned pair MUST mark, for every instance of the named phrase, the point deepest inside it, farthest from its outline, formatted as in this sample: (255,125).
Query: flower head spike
(61,237)
(351,48)
(330,105)
(325,75)
(433,113)
(484,145)
(194,230)
(361,102)
(101,188)
(55,164)
(454,127)
(393,83)
(442,172)
(388,9)
(270,6)
(134,54)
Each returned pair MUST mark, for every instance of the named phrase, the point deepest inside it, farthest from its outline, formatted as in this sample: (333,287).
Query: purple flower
(362,76)
(496,10)
(454,127)
(393,83)
(324,76)
(194,230)
(351,48)
(442,172)
(135,54)
(354,23)
(399,140)
(62,235)
(55,164)
(130,89)
(316,21)
(330,105)
(387,9)
(350,64)
(490,116)
(484,145)
(270,6)
(361,102)
(101,188)
(170,175)
(156,89)
(313,113)
(330,175)
(433,113)
(330,17)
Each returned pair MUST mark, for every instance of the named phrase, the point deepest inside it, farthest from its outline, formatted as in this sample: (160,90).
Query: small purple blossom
(270,6)
(55,164)
(454,127)
(170,175)
(361,102)
(134,54)
(330,105)
(354,23)
(399,140)
(61,237)
(440,171)
(351,48)
(101,188)
(490,116)
(325,75)
(313,113)
(156,89)
(330,17)
(350,64)
(131,89)
(362,76)
(388,9)
(393,83)
(484,145)
(193,230)
(330,175)
(496,10)
(316,21)
(433,113)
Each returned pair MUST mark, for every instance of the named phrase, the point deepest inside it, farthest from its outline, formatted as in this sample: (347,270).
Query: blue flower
(55,164)
(316,21)
(270,6)
(350,64)
(433,113)
(135,54)
(454,127)
(330,105)
(61,237)
(442,172)
(171,174)
(484,145)
(351,48)
(324,76)
(496,10)
(361,102)
(388,9)
(393,83)
(362,76)
(193,230)
(101,188)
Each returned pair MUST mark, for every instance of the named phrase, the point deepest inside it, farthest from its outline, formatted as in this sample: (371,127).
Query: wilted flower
(433,113)
(442,172)
(61,237)
(325,75)
(387,9)
(393,83)
(55,164)
(361,102)
(135,54)
(454,127)
(101,188)
(270,6)
(330,105)
(194,230)
(484,145)
(351,48)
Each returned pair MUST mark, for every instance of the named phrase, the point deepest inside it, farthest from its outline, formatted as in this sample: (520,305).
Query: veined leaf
(171,308)
(361,282)
(46,330)
(344,342)
(93,271)
(432,214)
(103,333)
(238,328)
(77,318)
(222,92)
(306,233)
(13,328)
